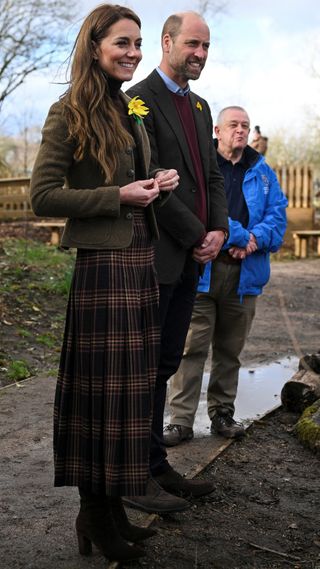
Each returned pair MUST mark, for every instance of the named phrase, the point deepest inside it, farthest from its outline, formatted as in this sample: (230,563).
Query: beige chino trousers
(219,318)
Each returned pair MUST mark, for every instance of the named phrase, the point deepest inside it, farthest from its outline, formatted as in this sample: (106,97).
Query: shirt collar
(172,86)
(242,162)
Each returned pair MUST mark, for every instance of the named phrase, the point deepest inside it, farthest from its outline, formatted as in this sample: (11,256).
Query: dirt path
(264,513)
(267,485)
(287,320)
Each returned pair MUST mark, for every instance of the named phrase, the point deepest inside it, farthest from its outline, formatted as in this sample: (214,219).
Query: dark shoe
(95,524)
(173,482)
(173,435)
(226,426)
(156,500)
(127,530)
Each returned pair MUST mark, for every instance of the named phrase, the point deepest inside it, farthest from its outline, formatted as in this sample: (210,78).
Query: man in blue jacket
(225,304)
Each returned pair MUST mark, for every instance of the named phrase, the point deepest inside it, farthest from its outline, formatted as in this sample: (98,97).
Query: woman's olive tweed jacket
(63,187)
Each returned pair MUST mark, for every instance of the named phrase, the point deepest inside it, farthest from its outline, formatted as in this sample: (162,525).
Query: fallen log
(301,391)
(308,427)
(310,362)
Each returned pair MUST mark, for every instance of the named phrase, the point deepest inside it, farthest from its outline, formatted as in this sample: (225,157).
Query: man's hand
(210,247)
(237,253)
(242,252)
(252,245)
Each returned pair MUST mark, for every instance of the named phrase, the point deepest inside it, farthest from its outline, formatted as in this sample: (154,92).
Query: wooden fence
(296,182)
(14,199)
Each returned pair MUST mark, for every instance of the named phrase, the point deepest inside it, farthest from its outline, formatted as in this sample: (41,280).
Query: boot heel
(85,546)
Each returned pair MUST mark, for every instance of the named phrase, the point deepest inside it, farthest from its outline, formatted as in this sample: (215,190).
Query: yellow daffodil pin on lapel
(199,106)
(138,109)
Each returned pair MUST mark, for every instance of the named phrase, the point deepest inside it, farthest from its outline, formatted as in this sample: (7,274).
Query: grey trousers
(219,318)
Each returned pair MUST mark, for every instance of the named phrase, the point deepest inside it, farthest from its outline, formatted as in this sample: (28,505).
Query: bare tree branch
(213,7)
(32,37)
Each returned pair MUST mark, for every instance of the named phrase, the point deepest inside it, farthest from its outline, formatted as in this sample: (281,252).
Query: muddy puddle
(258,392)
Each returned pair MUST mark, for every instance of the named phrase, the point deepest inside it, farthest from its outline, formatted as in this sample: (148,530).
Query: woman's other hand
(168,180)
(139,193)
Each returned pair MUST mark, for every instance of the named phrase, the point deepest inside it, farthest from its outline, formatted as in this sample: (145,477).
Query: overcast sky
(260,57)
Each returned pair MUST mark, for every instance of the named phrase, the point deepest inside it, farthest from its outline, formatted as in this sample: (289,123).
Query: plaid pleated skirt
(104,395)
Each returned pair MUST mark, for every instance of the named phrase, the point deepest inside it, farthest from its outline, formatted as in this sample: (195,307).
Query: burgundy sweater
(183,107)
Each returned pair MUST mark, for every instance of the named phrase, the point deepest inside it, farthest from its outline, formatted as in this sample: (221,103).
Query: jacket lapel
(168,111)
(200,116)
(141,139)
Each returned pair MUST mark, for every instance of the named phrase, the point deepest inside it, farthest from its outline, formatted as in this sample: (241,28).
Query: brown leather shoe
(173,482)
(224,424)
(175,434)
(156,500)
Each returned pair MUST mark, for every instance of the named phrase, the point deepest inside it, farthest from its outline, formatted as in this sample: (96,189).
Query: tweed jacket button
(129,216)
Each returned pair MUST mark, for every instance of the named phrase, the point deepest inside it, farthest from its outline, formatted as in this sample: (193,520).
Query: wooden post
(291,184)
(298,188)
(303,247)
(55,236)
(296,240)
(306,187)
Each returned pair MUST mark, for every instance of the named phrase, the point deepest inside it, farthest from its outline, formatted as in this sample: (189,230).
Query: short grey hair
(231,107)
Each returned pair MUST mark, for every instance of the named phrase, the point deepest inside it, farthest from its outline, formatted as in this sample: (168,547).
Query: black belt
(224,257)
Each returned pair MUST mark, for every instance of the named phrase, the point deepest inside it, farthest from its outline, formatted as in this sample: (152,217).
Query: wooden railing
(297,183)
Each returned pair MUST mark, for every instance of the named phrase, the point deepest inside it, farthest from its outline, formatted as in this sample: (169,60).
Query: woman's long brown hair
(92,119)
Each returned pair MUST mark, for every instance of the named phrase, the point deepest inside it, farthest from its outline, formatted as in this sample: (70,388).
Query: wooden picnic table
(55,226)
(302,242)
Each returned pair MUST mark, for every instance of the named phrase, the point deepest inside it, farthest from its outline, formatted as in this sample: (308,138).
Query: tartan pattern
(104,395)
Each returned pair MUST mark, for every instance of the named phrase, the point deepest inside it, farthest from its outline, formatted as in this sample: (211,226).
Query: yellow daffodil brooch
(199,106)
(137,108)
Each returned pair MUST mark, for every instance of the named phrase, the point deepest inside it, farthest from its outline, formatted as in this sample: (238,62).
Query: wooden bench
(303,240)
(55,227)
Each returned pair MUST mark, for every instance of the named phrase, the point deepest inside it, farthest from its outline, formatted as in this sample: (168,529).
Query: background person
(227,293)
(259,142)
(103,406)
(193,223)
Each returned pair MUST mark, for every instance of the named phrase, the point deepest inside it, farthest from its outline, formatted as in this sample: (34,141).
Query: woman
(92,168)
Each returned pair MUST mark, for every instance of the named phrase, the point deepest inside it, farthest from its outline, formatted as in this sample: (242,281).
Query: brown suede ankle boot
(127,530)
(95,524)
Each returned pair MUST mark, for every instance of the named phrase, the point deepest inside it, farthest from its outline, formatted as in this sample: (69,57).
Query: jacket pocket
(255,273)
(90,230)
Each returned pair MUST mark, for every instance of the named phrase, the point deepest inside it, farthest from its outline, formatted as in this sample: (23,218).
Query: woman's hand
(168,180)
(139,193)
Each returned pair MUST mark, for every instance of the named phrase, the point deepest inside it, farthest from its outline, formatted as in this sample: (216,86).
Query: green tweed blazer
(78,191)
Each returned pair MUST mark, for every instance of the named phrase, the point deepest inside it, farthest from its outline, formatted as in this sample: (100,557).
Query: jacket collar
(252,157)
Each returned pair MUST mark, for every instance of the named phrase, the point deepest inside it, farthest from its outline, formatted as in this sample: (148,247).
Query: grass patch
(47,340)
(34,286)
(50,268)
(17,370)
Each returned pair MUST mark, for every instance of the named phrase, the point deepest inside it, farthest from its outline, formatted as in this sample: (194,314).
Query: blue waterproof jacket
(267,221)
